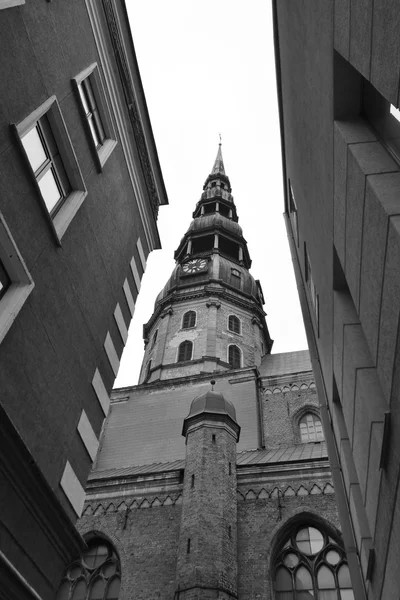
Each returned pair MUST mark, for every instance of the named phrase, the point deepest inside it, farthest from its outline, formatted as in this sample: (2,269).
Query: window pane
(63,591)
(283,580)
(346,595)
(96,555)
(97,589)
(284,595)
(325,578)
(333,557)
(49,189)
(34,148)
(113,589)
(291,560)
(344,577)
(316,540)
(303,579)
(79,592)
(93,130)
(84,99)
(309,540)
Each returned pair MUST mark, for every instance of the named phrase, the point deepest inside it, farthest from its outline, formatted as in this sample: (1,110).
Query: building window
(312,289)
(94,576)
(10,3)
(311,565)
(234,356)
(92,100)
(44,157)
(148,370)
(293,213)
(234,324)
(310,428)
(154,340)
(185,351)
(51,157)
(15,281)
(189,320)
(235,278)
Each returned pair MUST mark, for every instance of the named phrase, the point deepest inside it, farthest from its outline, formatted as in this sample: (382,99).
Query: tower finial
(218,167)
(212,384)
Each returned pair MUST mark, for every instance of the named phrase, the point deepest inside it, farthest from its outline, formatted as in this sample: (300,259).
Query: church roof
(285,363)
(285,454)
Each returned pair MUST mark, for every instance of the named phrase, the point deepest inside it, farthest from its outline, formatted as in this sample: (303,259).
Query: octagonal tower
(209,316)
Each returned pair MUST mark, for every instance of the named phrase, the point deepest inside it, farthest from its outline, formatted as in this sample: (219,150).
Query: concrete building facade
(80,187)
(338,90)
(212,478)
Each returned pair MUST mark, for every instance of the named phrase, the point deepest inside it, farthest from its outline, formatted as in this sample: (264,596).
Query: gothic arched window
(189,319)
(234,323)
(185,351)
(310,428)
(94,576)
(311,565)
(235,278)
(234,356)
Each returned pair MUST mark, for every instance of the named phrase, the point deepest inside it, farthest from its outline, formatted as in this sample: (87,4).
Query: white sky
(207,67)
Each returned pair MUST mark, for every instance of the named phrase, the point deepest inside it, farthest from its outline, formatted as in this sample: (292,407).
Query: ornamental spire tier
(209,317)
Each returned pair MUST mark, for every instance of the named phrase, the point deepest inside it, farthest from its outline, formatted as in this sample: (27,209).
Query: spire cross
(220,139)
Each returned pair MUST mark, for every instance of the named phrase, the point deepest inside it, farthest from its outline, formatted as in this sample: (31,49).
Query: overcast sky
(207,67)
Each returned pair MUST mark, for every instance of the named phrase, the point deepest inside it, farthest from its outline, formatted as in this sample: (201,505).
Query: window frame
(102,152)
(241,356)
(293,213)
(178,360)
(21,282)
(62,218)
(240,324)
(183,319)
(315,417)
(312,288)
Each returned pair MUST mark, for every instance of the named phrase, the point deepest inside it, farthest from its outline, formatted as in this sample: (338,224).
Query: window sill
(11,304)
(104,152)
(67,212)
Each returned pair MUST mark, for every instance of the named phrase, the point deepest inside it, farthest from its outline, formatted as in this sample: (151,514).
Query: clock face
(194,266)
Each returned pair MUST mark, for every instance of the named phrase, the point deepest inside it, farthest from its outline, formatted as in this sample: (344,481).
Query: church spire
(218,167)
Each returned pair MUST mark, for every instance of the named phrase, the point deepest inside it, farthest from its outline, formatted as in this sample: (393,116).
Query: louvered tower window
(234,324)
(189,319)
(234,356)
(185,351)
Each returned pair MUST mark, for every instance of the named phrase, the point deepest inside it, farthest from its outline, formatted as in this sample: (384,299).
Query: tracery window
(311,565)
(189,319)
(185,351)
(234,356)
(234,323)
(94,576)
(153,342)
(310,428)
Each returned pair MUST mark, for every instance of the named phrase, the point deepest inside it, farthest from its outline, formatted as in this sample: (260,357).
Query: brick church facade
(212,479)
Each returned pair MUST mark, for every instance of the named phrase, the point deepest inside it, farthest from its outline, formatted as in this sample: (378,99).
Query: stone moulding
(311,490)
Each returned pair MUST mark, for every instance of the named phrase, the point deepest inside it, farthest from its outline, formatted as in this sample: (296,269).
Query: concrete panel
(339,208)
(101,392)
(354,221)
(141,253)
(389,308)
(381,200)
(356,131)
(391,585)
(111,354)
(359,518)
(342,27)
(385,57)
(374,475)
(119,319)
(363,159)
(360,43)
(88,436)
(73,489)
(129,298)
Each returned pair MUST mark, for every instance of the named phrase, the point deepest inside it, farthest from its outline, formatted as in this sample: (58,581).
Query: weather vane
(220,138)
